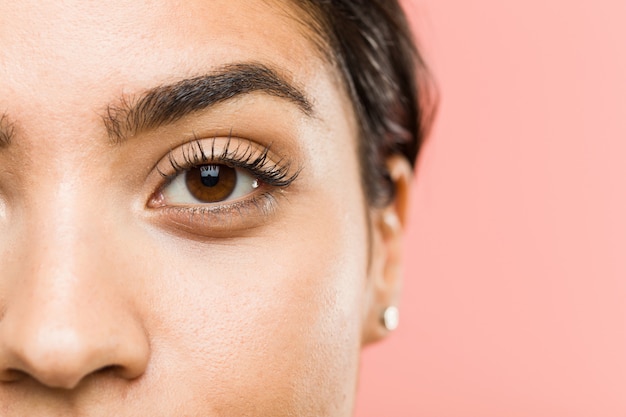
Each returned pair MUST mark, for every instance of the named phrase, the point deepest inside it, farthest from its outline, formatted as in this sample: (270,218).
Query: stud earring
(391,318)
(391,221)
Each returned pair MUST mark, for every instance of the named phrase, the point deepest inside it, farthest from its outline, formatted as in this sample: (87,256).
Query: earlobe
(385,274)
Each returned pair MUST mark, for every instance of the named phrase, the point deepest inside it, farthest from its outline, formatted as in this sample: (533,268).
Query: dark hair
(386,78)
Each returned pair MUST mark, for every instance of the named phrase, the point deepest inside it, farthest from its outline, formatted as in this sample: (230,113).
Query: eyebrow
(168,103)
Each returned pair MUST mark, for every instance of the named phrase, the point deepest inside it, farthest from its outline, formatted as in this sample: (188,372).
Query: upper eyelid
(246,154)
(194,153)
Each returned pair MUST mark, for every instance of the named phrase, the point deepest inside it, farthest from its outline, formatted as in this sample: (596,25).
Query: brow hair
(7,130)
(169,103)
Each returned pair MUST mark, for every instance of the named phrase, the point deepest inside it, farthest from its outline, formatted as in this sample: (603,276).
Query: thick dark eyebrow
(169,103)
(7,130)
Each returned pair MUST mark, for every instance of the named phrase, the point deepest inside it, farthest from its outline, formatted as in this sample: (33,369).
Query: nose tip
(62,357)
(55,359)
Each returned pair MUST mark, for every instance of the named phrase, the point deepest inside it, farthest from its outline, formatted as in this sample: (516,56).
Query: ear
(387,225)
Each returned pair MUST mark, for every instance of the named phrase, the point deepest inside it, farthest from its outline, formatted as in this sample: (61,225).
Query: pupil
(211,183)
(210,175)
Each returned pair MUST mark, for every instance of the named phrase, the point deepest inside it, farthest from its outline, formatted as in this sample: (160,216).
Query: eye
(210,183)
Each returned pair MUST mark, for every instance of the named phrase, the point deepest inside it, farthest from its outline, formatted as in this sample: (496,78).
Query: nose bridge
(61,234)
(64,316)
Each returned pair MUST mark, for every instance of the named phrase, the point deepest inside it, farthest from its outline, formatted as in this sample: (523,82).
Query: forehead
(87,49)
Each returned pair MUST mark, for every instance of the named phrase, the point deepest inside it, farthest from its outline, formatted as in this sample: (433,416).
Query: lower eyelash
(263,203)
(207,220)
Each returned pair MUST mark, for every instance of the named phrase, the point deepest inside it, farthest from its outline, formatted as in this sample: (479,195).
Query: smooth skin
(119,301)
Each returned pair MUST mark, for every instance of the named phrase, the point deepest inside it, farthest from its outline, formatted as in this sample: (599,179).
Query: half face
(182,226)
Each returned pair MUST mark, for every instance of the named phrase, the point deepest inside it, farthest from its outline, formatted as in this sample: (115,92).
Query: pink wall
(515,293)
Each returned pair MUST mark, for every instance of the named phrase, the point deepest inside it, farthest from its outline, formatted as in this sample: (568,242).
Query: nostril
(118,371)
(108,369)
(13,375)
(57,344)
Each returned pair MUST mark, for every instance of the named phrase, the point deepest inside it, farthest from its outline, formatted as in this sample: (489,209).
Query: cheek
(269,322)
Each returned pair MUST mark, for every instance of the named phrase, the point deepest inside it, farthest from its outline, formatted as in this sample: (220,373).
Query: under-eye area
(220,183)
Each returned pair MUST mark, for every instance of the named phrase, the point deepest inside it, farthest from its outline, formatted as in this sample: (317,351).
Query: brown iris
(211,183)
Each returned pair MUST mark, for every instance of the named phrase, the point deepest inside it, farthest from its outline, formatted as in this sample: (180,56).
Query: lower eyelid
(220,220)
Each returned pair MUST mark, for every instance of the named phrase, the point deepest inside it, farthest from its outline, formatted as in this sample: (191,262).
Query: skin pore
(122,295)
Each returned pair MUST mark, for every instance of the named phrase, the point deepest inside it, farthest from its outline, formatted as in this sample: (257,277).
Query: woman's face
(141,275)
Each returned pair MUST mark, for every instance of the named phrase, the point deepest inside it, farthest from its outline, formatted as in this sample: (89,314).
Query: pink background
(515,287)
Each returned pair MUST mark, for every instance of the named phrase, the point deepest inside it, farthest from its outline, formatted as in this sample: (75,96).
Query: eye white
(177,193)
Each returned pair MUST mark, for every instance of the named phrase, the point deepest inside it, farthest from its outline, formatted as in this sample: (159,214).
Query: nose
(67,312)
(59,352)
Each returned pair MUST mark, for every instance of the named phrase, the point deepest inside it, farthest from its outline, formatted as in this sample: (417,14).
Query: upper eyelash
(194,153)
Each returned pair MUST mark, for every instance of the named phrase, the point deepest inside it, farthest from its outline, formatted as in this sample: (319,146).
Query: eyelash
(274,174)
(210,218)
